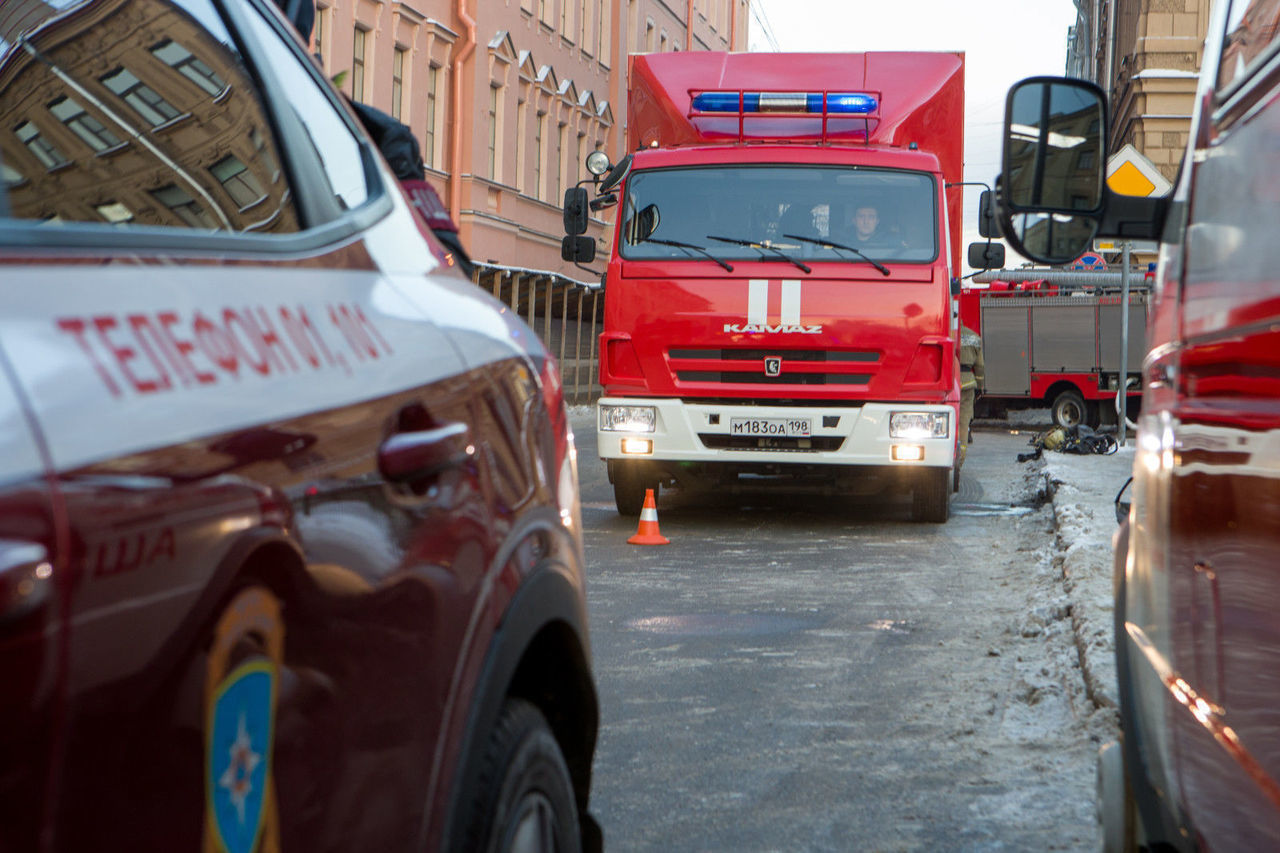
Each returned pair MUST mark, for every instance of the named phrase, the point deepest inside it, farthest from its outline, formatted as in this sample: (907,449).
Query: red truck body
(764,346)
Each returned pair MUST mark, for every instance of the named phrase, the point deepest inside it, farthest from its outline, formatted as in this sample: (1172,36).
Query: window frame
(321,222)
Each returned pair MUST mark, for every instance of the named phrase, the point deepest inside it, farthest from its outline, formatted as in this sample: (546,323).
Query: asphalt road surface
(814,674)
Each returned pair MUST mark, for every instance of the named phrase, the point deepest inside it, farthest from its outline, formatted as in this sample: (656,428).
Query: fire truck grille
(716,441)
(728,376)
(757,366)
(807,355)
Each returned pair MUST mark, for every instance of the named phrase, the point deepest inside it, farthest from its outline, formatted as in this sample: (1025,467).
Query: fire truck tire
(931,496)
(524,797)
(629,485)
(1068,409)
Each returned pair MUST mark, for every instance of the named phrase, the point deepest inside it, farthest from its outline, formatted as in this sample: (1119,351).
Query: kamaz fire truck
(753,334)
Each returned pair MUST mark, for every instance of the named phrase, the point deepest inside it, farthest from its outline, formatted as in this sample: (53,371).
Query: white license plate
(786,427)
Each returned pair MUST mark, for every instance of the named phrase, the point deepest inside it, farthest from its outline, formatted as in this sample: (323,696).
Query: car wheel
(629,485)
(524,801)
(931,495)
(1068,409)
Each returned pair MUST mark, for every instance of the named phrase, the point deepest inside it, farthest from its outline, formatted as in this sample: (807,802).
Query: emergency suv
(1196,588)
(290,542)
(752,335)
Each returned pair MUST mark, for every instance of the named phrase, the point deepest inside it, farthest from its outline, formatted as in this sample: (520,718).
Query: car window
(330,137)
(135,112)
(1252,30)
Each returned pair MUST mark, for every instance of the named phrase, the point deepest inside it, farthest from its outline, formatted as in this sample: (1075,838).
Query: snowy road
(797,675)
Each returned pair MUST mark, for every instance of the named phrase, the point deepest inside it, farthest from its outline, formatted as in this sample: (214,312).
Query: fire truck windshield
(888,215)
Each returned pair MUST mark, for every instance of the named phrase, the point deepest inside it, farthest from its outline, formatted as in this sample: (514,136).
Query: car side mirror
(986,256)
(575,211)
(578,249)
(1052,188)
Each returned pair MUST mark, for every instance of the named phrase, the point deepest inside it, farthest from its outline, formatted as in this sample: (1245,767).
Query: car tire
(1068,409)
(629,486)
(524,799)
(931,496)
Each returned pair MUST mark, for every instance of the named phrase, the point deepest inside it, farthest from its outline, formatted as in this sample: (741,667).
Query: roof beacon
(853,103)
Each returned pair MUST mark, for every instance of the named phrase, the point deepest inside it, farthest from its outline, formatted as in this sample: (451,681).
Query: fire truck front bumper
(874,434)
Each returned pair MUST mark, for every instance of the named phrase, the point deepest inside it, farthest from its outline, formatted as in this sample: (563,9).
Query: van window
(107,120)
(1252,30)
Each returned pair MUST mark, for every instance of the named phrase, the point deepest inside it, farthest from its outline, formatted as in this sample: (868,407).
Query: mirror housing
(606,200)
(615,175)
(578,249)
(988,223)
(575,211)
(986,256)
(1052,190)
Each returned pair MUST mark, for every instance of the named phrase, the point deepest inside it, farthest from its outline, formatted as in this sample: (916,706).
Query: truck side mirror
(615,175)
(575,211)
(1052,191)
(988,225)
(578,249)
(986,256)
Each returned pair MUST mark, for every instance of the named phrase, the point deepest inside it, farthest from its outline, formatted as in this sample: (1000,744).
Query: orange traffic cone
(647,533)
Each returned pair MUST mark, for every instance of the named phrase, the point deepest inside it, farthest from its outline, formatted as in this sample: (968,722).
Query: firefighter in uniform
(972,381)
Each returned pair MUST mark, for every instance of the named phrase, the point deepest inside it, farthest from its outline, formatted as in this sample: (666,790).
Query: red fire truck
(755,331)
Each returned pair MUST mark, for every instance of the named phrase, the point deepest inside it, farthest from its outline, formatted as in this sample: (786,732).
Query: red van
(1197,589)
(290,546)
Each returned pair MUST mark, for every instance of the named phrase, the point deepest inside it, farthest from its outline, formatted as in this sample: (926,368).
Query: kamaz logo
(765,329)
(787,302)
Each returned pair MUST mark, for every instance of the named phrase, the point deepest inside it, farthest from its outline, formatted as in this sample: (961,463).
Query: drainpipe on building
(688,27)
(455,160)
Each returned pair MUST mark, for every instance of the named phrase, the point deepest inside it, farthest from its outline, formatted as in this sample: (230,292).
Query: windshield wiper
(680,245)
(766,246)
(827,244)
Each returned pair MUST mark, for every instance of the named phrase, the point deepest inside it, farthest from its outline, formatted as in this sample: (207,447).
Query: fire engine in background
(1056,346)
(753,332)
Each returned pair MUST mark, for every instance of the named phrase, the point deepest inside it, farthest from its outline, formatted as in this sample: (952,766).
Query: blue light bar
(855,103)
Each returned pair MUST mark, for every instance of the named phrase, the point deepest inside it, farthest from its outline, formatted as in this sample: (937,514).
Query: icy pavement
(1083,491)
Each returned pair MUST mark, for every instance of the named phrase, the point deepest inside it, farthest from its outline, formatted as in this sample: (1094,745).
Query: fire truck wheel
(931,496)
(629,484)
(524,798)
(1068,409)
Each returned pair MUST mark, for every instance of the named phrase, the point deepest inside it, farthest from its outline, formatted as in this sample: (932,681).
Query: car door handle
(420,456)
(26,579)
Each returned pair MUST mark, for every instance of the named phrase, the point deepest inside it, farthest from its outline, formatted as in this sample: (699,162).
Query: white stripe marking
(791,302)
(758,301)
(649,515)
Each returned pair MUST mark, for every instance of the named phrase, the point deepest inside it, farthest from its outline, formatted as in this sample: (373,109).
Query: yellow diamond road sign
(1130,173)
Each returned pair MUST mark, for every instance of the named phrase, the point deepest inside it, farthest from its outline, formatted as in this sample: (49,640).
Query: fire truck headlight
(627,418)
(916,426)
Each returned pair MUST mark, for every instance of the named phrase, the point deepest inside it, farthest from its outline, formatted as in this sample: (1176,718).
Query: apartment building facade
(1146,55)
(507,97)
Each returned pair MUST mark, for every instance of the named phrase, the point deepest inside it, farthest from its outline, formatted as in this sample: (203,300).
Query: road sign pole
(1122,399)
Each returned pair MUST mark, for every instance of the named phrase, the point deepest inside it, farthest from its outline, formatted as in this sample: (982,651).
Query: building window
(238,181)
(577,160)
(544,11)
(559,162)
(357,65)
(522,128)
(493,132)
(648,35)
(115,213)
(539,128)
(662,42)
(42,148)
(397,81)
(145,101)
(83,125)
(180,59)
(184,207)
(429,137)
(605,40)
(10,177)
(317,36)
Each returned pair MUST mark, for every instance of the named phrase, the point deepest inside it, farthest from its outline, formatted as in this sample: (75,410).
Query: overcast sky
(1003,41)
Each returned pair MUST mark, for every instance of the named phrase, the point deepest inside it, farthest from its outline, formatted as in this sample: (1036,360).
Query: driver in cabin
(869,232)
